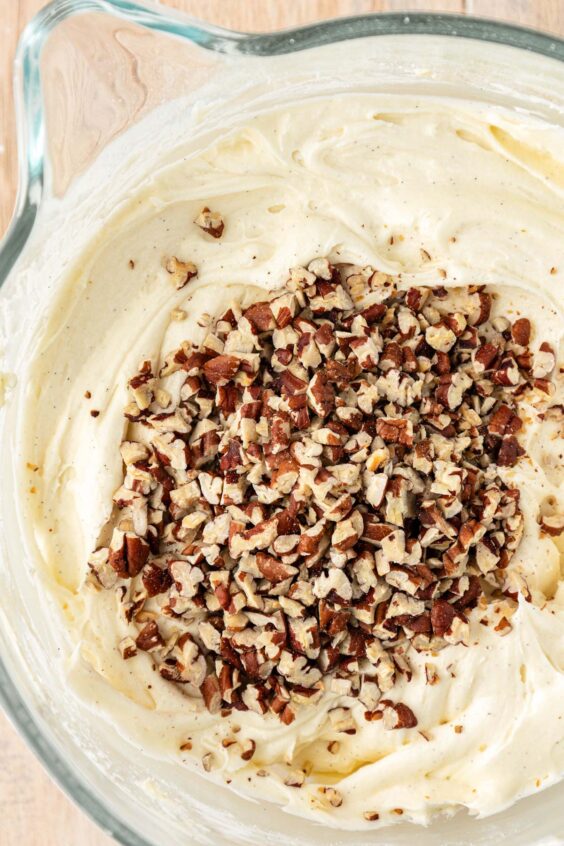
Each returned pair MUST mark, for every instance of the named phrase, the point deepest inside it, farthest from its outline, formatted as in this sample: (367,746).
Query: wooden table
(33,812)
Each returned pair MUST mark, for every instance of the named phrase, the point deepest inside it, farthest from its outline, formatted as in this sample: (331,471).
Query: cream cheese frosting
(370,180)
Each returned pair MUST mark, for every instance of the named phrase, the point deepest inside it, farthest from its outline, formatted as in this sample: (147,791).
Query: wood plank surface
(33,812)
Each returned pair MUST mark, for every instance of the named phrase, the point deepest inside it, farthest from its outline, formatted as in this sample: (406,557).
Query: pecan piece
(248,748)
(210,222)
(440,337)
(332,621)
(221,369)
(156,580)
(510,451)
(484,357)
(416,298)
(128,648)
(552,524)
(273,569)
(180,271)
(507,373)
(398,715)
(128,554)
(442,615)
(260,317)
(395,431)
(211,693)
(521,331)
(348,532)
(321,394)
(543,361)
(149,638)
(504,421)
(391,358)
(482,310)
(292,384)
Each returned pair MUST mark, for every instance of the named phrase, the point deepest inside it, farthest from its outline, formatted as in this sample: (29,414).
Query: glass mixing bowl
(89,75)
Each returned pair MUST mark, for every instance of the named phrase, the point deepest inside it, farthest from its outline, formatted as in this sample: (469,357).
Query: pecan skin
(221,368)
(131,558)
(149,637)
(394,431)
(442,615)
(521,331)
(260,316)
(156,580)
(510,451)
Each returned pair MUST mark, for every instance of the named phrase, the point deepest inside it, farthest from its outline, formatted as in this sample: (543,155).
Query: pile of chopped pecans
(322,495)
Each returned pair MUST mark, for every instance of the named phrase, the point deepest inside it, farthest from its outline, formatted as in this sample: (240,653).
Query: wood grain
(33,812)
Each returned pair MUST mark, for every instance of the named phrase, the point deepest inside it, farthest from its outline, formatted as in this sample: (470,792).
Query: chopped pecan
(416,298)
(485,356)
(483,305)
(521,331)
(128,648)
(156,579)
(442,615)
(273,569)
(248,748)
(440,337)
(211,693)
(149,638)
(260,317)
(128,554)
(181,271)
(210,222)
(552,524)
(398,431)
(332,796)
(398,715)
(348,532)
(221,369)
(509,452)
(544,361)
(504,421)
(321,394)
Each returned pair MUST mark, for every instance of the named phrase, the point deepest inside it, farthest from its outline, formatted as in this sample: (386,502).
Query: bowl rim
(30,132)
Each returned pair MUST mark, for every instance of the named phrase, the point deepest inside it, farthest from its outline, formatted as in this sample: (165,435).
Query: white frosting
(481,190)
